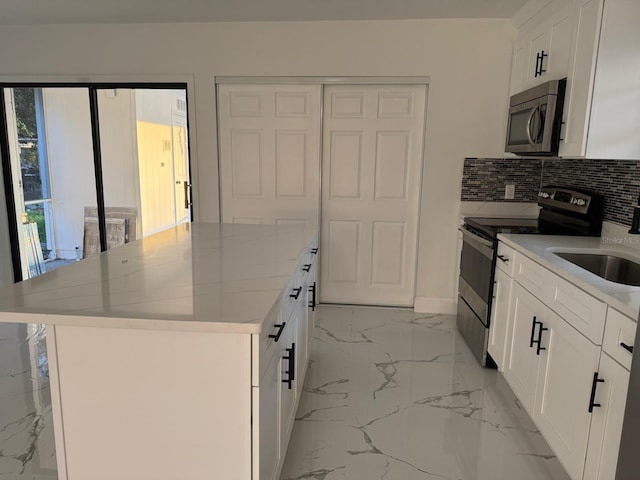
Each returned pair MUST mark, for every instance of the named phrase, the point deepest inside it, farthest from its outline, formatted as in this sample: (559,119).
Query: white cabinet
(579,95)
(594,44)
(542,50)
(568,361)
(288,385)
(522,363)
(267,417)
(619,336)
(499,316)
(549,368)
(606,424)
(573,389)
(603,91)
(280,390)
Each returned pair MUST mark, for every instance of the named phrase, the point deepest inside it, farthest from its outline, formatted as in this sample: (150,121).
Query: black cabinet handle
(296,293)
(291,372)
(539,341)
(280,327)
(312,302)
(314,251)
(539,347)
(540,64)
(542,57)
(503,258)
(628,348)
(594,385)
(306,267)
(533,331)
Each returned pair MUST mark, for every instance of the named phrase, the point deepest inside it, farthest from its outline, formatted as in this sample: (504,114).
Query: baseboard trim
(435,305)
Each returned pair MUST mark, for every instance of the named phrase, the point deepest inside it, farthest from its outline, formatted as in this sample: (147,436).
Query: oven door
(476,273)
(476,277)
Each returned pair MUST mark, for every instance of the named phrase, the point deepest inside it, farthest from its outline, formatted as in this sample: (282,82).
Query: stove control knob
(581,202)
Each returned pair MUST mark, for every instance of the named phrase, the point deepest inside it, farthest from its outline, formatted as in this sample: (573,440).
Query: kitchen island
(177,356)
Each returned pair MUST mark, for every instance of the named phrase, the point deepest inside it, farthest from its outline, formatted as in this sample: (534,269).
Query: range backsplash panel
(484,180)
(617,180)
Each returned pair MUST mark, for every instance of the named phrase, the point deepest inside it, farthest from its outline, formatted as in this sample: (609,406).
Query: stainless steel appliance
(564,211)
(535,119)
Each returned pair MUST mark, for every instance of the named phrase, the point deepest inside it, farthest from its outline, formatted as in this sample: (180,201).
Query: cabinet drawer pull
(314,251)
(312,302)
(628,348)
(306,267)
(296,293)
(280,327)
(503,258)
(594,385)
(291,372)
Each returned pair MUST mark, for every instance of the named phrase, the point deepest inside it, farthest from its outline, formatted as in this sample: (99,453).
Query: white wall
(70,150)
(468,62)
(118,148)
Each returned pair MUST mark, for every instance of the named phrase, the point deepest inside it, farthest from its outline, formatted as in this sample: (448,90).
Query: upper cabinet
(594,44)
(542,51)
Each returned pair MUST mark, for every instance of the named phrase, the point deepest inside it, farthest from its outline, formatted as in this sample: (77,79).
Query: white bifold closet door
(371,171)
(270,153)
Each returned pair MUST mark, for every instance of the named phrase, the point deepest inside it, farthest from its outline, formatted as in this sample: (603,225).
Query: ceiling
(169,11)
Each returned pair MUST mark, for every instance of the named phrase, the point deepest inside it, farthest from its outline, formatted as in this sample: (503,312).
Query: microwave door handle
(529,122)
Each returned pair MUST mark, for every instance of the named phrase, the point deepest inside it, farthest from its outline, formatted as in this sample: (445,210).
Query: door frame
(92,84)
(325,81)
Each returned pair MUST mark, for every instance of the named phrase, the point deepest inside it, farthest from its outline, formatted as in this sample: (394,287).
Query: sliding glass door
(145,160)
(92,167)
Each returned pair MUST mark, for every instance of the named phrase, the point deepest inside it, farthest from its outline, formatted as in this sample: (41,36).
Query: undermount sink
(610,267)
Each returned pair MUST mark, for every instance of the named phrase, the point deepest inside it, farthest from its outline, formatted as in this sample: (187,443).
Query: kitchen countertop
(541,248)
(194,277)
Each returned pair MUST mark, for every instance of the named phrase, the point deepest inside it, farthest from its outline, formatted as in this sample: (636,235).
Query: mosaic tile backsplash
(484,179)
(617,180)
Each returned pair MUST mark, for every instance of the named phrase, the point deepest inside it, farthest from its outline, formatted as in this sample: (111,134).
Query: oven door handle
(484,246)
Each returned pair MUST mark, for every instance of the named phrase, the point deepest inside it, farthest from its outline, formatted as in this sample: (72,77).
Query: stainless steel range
(564,211)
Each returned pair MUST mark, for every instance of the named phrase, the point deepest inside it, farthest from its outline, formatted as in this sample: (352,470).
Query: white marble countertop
(195,277)
(541,248)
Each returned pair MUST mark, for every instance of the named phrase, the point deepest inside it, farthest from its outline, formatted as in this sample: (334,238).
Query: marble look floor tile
(27,448)
(390,394)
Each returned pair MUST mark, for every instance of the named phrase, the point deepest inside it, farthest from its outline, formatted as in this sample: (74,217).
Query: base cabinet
(561,412)
(606,424)
(267,416)
(573,388)
(522,365)
(499,317)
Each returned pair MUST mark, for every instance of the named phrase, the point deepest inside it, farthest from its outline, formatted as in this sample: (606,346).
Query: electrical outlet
(509,191)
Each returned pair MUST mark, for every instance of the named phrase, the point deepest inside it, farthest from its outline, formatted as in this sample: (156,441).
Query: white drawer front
(264,345)
(619,330)
(506,260)
(530,275)
(584,312)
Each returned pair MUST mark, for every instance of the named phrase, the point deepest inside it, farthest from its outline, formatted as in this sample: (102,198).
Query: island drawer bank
(181,355)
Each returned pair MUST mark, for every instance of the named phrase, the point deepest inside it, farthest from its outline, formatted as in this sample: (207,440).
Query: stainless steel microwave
(535,119)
